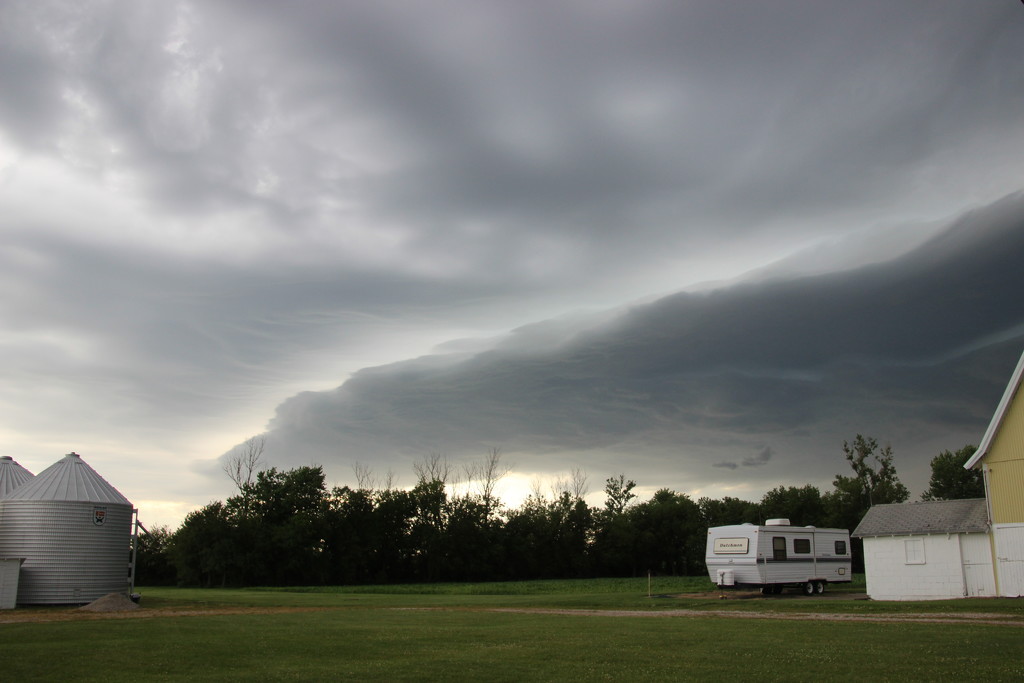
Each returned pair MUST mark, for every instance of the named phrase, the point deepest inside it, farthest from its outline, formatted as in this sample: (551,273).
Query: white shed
(927,551)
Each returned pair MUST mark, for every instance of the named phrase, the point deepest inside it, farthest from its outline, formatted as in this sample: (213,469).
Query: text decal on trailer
(726,546)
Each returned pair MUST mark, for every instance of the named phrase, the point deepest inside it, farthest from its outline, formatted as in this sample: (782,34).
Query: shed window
(840,547)
(802,546)
(914,549)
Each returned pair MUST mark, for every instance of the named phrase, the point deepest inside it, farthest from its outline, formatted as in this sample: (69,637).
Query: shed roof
(12,475)
(997,419)
(69,479)
(929,517)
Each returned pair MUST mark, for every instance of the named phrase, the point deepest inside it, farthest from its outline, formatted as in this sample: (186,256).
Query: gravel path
(72,614)
(31,615)
(924,618)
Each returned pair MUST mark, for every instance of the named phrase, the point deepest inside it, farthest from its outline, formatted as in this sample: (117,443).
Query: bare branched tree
(557,486)
(578,483)
(487,473)
(575,484)
(245,461)
(364,477)
(368,481)
(433,467)
(536,488)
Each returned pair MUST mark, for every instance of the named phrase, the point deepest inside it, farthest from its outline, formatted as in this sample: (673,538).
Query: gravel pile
(111,602)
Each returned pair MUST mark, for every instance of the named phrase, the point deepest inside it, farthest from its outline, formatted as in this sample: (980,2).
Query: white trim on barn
(999,416)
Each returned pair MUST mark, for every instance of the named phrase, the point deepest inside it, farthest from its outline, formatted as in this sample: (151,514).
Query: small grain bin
(12,475)
(74,531)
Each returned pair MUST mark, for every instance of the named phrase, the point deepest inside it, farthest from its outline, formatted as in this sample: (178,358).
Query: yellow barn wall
(1005,464)
(1006,491)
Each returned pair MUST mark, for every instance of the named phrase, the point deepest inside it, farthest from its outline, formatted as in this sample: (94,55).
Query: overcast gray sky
(700,243)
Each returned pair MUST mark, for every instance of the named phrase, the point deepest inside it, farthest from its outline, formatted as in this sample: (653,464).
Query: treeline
(289,528)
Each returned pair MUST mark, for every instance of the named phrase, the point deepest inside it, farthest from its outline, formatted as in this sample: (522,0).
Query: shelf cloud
(697,242)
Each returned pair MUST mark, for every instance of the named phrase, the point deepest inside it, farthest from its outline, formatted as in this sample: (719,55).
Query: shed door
(1010,558)
(976,551)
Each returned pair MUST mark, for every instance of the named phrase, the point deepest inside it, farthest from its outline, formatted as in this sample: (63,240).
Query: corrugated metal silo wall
(74,552)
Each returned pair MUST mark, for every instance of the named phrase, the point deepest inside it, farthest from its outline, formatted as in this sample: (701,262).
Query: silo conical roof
(12,475)
(70,479)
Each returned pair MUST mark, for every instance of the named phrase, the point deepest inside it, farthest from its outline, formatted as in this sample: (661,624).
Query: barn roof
(930,517)
(997,419)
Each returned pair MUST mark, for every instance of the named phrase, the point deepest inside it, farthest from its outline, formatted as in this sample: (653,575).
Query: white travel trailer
(776,554)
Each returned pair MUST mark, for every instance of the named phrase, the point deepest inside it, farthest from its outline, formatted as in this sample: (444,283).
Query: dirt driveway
(923,618)
(757,595)
(24,615)
(53,614)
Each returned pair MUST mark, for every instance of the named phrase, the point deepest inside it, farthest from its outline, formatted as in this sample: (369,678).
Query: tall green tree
(875,473)
(472,549)
(154,563)
(669,534)
(353,535)
(549,538)
(619,492)
(428,527)
(281,520)
(616,536)
(950,481)
(728,510)
(875,482)
(802,506)
(394,513)
(206,548)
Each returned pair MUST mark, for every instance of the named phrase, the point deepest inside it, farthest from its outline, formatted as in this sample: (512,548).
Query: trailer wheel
(819,587)
(809,588)
(777,589)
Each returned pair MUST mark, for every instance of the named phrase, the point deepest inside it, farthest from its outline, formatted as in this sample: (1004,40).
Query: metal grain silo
(74,531)
(12,475)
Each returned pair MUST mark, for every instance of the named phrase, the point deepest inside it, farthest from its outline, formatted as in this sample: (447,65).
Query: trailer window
(840,547)
(802,546)
(779,548)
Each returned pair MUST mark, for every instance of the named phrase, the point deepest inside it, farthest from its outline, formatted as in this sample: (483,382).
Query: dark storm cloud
(486,132)
(762,458)
(207,207)
(920,342)
(171,336)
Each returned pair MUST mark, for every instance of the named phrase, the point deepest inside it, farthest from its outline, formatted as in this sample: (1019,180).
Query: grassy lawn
(361,635)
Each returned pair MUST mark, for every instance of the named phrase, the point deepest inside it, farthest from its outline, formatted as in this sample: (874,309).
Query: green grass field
(452,632)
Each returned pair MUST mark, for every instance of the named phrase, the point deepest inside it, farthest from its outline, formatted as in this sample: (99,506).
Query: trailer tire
(819,587)
(809,588)
(777,589)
